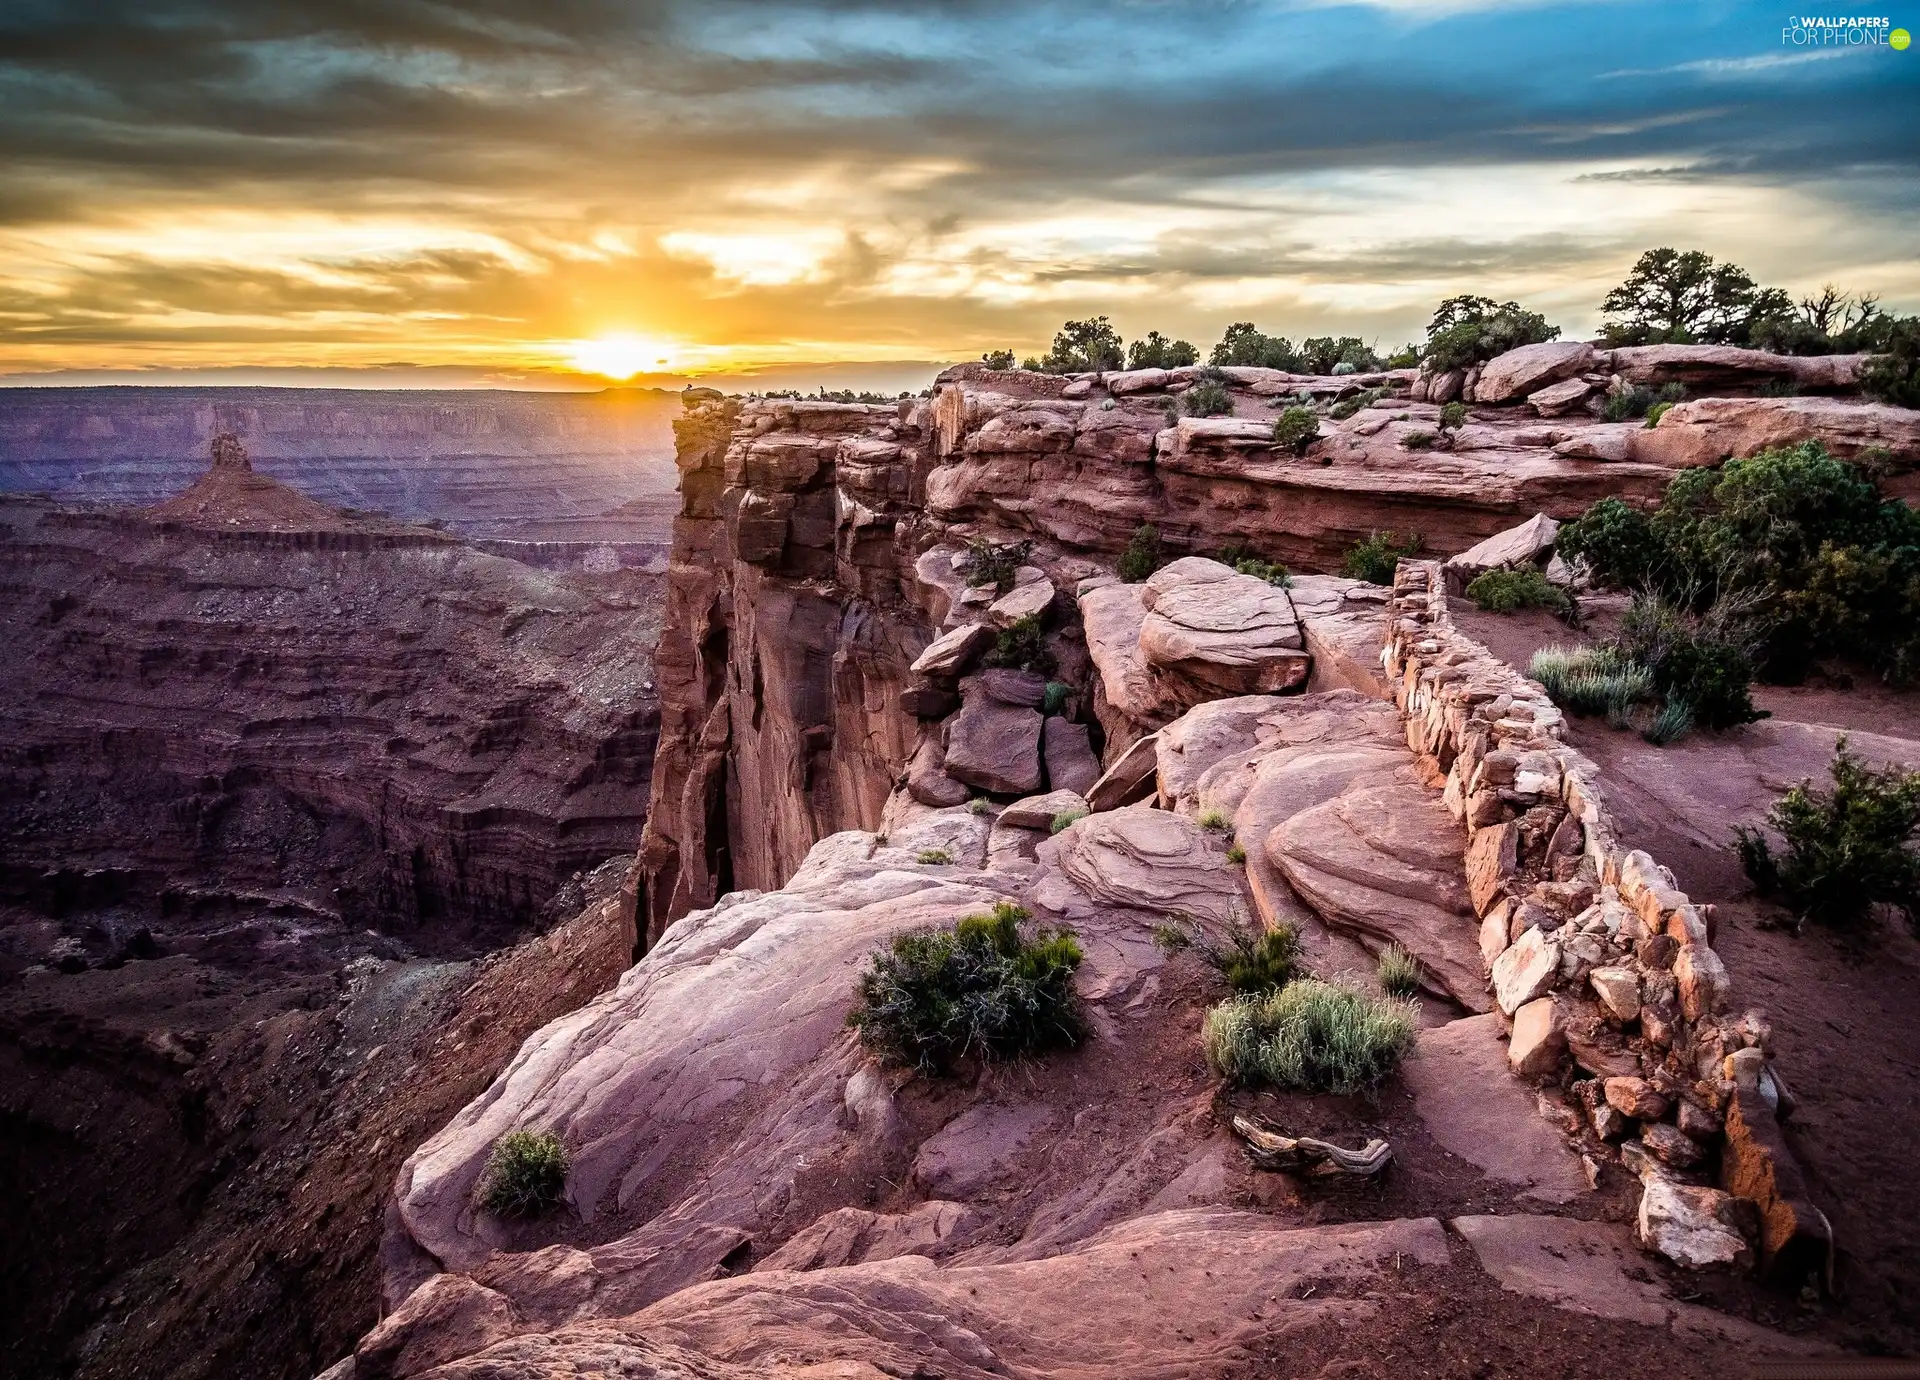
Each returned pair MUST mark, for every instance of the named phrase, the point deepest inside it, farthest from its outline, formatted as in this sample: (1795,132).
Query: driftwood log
(1304,1155)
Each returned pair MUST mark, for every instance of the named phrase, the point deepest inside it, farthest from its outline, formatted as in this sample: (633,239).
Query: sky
(555,193)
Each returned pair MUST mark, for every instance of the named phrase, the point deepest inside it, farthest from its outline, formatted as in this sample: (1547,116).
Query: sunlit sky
(557,193)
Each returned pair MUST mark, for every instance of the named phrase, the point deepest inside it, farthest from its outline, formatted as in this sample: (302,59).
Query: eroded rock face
(1231,633)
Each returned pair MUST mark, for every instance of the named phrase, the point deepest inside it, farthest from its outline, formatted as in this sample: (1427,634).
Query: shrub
(1672,723)
(526,1174)
(1236,854)
(1693,661)
(1893,375)
(994,563)
(1848,848)
(1053,700)
(1245,562)
(1296,428)
(1503,591)
(934,857)
(1155,351)
(1218,821)
(1591,680)
(1617,543)
(1347,407)
(1064,820)
(1021,646)
(1254,959)
(1142,556)
(1310,1035)
(1656,412)
(1208,397)
(1374,559)
(980,805)
(1084,347)
(1243,345)
(1418,440)
(980,989)
(1406,357)
(1324,354)
(1469,330)
(997,359)
(1453,416)
(1633,402)
(1398,972)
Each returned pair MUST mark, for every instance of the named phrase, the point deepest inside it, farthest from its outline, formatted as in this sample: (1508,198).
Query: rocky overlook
(865,731)
(276,777)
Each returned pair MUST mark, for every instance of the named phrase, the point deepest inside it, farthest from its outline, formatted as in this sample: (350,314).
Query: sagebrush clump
(1021,646)
(1296,428)
(1397,971)
(1505,591)
(1143,555)
(1208,397)
(1311,1036)
(1849,848)
(1375,559)
(981,990)
(1254,958)
(526,1174)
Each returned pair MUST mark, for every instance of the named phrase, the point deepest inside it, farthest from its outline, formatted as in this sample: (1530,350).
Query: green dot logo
(1900,38)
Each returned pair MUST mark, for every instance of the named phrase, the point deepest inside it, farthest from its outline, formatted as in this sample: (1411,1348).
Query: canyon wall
(485,461)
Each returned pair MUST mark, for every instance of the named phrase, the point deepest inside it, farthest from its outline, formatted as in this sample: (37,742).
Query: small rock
(1525,971)
(1697,1121)
(1666,1143)
(928,702)
(1637,1098)
(1606,1120)
(1538,1039)
(1026,601)
(1619,992)
(1656,951)
(1696,1228)
(1023,689)
(1492,859)
(953,652)
(1704,985)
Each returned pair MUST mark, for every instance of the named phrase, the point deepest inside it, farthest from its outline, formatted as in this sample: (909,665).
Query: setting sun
(619,356)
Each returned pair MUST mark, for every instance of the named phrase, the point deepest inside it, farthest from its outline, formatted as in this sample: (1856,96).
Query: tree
(1085,347)
(1322,354)
(1157,352)
(1244,345)
(997,359)
(1675,298)
(1469,330)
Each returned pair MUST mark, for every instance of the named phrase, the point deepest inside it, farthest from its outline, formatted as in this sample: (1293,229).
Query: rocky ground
(275,778)
(750,1194)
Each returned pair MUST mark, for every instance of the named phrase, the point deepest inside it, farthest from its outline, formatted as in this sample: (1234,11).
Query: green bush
(1453,416)
(1591,680)
(1406,357)
(1893,375)
(1208,397)
(934,857)
(1325,354)
(1142,556)
(980,805)
(1021,646)
(1244,560)
(994,563)
(1296,428)
(1310,1035)
(980,990)
(1398,972)
(1418,440)
(1617,543)
(1063,821)
(1634,402)
(1053,700)
(1254,959)
(1375,559)
(1504,591)
(526,1174)
(1694,662)
(1347,407)
(1848,848)
(1218,821)
(1236,854)
(1084,347)
(997,359)
(1470,330)
(1155,351)
(1656,412)
(1243,345)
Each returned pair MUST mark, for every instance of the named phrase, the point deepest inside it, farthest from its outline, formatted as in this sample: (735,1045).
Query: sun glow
(620,356)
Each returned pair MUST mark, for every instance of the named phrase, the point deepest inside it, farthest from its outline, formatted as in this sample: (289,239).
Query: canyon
(860,734)
(278,779)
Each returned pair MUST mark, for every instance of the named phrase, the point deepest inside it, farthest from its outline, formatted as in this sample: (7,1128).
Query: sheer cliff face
(795,608)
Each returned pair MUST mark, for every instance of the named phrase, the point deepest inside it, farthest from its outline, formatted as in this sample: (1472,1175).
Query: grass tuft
(526,1174)
(1311,1036)
(1065,819)
(1398,972)
(934,857)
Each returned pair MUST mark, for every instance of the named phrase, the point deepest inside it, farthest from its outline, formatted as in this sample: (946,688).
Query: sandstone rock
(448,1317)
(1607,1121)
(1719,368)
(1659,1008)
(1525,971)
(1637,1098)
(1129,778)
(1071,765)
(1022,689)
(1558,399)
(927,779)
(1038,811)
(1529,369)
(1695,1228)
(1656,952)
(1538,1040)
(1709,430)
(953,652)
(853,1236)
(1231,633)
(1610,444)
(1796,1241)
(927,702)
(1493,935)
(1112,614)
(1030,599)
(1138,859)
(1705,988)
(1127,381)
(1599,1048)
(995,747)
(1526,545)
(1445,388)
(978,1146)
(1493,857)
(1669,1145)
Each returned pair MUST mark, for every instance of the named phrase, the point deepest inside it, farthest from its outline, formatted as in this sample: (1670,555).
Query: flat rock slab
(995,746)
(852,1236)
(1472,1105)
(1038,811)
(1593,1268)
(952,652)
(976,1147)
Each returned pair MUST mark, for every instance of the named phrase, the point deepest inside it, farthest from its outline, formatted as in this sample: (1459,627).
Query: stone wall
(1617,1002)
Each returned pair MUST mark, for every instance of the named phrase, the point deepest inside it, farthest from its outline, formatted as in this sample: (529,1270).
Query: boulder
(1796,1241)
(1637,1098)
(449,1316)
(1029,598)
(1526,970)
(1709,430)
(1004,685)
(1539,1040)
(1125,381)
(1529,544)
(1557,399)
(995,747)
(1695,1228)
(1611,444)
(1528,369)
(1111,614)
(1705,988)
(1727,368)
(927,779)
(1130,778)
(1492,859)
(1619,991)
(1140,859)
(1671,1146)
(953,652)
(1071,765)
(927,702)
(1038,811)
(1230,633)
(853,1236)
